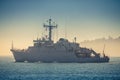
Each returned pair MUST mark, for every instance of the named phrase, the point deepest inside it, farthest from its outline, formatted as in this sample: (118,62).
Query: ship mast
(50,26)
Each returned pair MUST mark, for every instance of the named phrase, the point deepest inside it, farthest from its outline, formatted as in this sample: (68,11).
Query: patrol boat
(63,51)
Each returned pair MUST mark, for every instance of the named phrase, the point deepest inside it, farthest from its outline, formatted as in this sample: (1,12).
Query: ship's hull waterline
(59,57)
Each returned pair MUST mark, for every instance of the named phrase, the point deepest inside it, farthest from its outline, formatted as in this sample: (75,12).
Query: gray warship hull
(52,55)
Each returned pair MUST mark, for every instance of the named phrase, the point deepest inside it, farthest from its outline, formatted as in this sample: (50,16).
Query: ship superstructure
(45,50)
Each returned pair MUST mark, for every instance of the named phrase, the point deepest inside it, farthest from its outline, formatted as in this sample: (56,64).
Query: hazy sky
(21,20)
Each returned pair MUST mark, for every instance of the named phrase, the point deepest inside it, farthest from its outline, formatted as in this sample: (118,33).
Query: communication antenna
(65,30)
(37,36)
(57,35)
(104,50)
(75,39)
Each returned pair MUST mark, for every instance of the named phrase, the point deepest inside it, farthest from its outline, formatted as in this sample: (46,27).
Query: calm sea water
(59,71)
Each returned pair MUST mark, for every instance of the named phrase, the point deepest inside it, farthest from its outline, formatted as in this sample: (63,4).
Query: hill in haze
(112,45)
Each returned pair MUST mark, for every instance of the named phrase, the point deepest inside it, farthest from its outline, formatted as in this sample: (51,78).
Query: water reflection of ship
(45,50)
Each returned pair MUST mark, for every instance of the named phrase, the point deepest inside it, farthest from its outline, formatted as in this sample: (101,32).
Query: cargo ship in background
(63,51)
